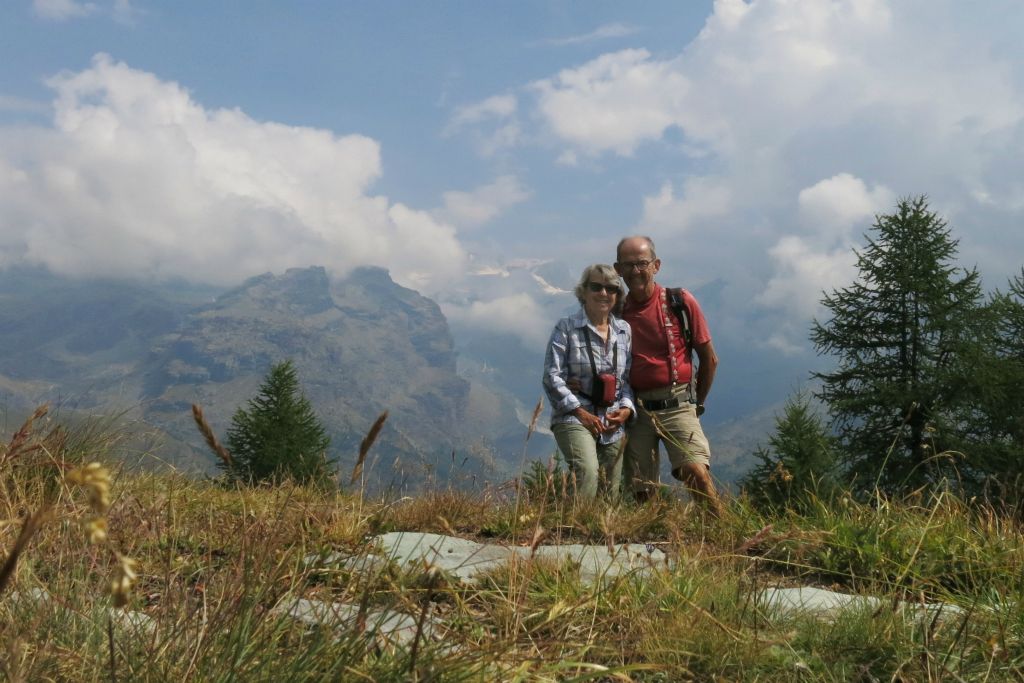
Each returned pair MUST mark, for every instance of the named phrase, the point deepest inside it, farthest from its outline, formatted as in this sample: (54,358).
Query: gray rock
(366,563)
(465,559)
(457,556)
(597,561)
(126,620)
(34,595)
(388,627)
(829,604)
(134,623)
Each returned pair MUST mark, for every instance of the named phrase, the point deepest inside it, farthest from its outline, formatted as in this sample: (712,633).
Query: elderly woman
(586,373)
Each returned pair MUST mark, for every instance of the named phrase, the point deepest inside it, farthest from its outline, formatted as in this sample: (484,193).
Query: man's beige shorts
(678,428)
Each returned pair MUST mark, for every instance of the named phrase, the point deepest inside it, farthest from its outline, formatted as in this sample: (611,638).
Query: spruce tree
(901,333)
(277,436)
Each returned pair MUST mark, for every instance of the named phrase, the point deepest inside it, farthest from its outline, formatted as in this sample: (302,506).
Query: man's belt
(663,404)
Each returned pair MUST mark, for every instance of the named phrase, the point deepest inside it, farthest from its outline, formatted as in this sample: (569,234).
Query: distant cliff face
(360,345)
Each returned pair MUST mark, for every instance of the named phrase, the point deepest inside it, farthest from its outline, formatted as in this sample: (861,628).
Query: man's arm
(706,372)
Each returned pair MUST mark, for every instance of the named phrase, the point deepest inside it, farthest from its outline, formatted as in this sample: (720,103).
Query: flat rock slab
(390,627)
(124,619)
(810,599)
(466,559)
(826,603)
(597,561)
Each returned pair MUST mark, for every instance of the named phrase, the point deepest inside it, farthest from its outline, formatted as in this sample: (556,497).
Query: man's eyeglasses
(642,264)
(598,287)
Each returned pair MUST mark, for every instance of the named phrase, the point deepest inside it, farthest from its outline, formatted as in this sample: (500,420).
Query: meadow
(115,574)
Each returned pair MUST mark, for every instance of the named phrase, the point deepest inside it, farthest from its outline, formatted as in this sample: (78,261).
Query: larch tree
(901,333)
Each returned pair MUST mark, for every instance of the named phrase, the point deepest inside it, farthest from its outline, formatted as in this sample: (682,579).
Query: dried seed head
(96,530)
(123,580)
(95,478)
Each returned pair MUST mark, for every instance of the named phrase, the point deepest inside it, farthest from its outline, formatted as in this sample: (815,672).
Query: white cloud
(803,274)
(137,178)
(834,213)
(519,315)
(61,10)
(616,30)
(836,204)
(805,119)
(496,107)
(124,12)
(473,209)
(493,123)
(665,214)
(613,103)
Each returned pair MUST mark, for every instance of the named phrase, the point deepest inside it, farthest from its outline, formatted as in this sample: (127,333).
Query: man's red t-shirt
(660,356)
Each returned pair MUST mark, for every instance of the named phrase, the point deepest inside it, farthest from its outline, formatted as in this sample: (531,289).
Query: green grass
(214,562)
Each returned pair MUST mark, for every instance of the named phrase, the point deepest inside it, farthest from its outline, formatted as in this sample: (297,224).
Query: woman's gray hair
(599,272)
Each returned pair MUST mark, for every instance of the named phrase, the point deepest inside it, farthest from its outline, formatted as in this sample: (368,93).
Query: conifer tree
(992,419)
(277,436)
(798,466)
(901,333)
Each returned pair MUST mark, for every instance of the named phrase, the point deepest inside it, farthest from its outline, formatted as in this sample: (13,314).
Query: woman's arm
(556,361)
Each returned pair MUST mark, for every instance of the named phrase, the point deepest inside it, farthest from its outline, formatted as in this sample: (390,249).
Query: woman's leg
(610,458)
(579,448)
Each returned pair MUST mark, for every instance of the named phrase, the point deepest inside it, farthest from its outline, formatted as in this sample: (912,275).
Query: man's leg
(690,454)
(641,457)
(580,450)
(696,477)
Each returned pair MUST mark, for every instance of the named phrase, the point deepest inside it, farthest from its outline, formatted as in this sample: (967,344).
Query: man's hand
(616,418)
(589,420)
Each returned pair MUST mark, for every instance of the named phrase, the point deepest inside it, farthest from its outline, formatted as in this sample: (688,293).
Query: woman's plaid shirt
(566,358)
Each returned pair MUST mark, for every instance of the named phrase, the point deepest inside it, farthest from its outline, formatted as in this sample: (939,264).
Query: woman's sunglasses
(598,287)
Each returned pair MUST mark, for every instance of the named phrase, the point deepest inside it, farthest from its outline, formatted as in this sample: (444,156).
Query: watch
(700,409)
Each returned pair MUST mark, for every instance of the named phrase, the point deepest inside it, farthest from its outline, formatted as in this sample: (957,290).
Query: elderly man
(669,401)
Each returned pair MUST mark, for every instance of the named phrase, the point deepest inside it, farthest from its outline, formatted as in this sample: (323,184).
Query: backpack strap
(678,305)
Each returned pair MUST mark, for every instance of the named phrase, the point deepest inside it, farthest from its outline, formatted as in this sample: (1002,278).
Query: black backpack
(678,305)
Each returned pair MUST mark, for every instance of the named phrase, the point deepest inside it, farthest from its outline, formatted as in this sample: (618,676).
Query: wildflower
(124,579)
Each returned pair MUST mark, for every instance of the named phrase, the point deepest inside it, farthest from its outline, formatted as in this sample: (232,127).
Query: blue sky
(462,144)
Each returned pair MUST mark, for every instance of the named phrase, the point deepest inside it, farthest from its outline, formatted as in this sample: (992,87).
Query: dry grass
(366,445)
(212,563)
(210,437)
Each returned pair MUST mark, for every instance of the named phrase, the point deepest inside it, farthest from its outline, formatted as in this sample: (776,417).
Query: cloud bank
(792,124)
(137,178)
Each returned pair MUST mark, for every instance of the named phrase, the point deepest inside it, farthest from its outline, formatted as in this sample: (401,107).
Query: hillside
(361,345)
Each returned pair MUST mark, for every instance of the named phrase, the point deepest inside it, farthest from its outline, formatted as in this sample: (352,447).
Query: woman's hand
(616,418)
(590,421)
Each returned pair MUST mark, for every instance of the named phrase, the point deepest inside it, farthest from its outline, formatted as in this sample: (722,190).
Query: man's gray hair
(598,272)
(650,243)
